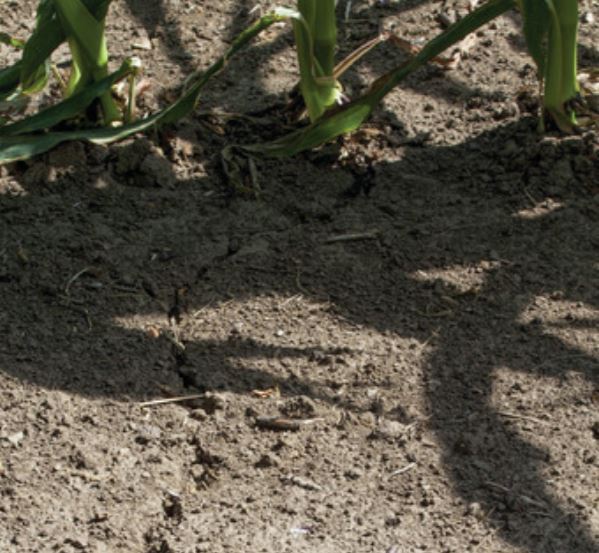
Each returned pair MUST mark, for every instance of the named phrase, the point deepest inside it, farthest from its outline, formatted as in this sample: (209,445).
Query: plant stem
(316,40)
(561,83)
(324,33)
(349,117)
(87,41)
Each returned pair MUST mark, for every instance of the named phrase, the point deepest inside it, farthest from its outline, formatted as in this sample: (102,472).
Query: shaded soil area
(392,342)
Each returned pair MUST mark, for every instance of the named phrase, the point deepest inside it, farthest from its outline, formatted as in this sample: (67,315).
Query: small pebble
(198,414)
(16,438)
(266,461)
(475,510)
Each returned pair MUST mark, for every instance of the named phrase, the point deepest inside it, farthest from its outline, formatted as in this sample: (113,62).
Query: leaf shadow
(437,216)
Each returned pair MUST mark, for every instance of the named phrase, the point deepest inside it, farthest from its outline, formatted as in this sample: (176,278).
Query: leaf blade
(349,117)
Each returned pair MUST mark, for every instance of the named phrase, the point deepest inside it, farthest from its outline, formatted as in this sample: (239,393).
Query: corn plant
(550,29)
(316,41)
(37,134)
(81,24)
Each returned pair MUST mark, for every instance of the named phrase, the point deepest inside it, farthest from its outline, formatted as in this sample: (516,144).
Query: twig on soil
(533,201)
(280,423)
(164,401)
(435,314)
(201,310)
(402,470)
(524,498)
(127,289)
(433,335)
(291,299)
(347,13)
(353,237)
(268,393)
(522,417)
(302,483)
(74,278)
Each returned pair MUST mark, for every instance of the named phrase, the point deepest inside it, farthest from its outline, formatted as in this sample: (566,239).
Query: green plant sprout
(316,42)
(550,28)
(551,32)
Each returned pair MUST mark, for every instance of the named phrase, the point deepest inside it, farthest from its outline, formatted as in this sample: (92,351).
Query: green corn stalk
(551,31)
(316,41)
(80,23)
(85,35)
(549,26)
(351,116)
(33,136)
(69,108)
(48,35)
(30,74)
(30,137)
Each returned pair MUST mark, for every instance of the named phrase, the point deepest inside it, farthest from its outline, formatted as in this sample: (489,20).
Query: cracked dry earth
(392,345)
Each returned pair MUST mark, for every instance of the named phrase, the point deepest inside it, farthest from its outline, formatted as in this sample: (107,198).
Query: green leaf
(9,79)
(24,146)
(537,21)
(85,34)
(85,29)
(315,37)
(11,41)
(66,109)
(47,36)
(351,116)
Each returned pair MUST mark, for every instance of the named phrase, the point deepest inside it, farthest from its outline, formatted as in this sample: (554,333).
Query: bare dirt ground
(417,306)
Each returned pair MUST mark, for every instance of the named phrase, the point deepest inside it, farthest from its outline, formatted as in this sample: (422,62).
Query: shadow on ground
(472,241)
(87,262)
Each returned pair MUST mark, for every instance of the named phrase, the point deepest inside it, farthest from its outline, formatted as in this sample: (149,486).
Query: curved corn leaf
(85,35)
(315,31)
(9,79)
(24,146)
(85,29)
(37,80)
(351,116)
(337,122)
(537,21)
(550,29)
(34,71)
(67,109)
(47,36)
